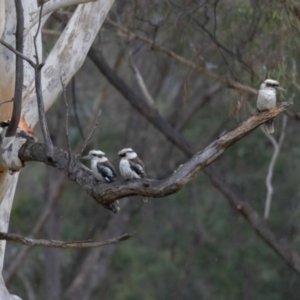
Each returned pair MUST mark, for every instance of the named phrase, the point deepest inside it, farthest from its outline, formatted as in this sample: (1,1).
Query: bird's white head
(96,155)
(127,153)
(271,84)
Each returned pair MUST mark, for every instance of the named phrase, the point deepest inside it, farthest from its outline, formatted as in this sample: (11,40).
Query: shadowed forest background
(193,244)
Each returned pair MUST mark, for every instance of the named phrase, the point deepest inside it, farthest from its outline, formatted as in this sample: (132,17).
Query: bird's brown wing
(137,166)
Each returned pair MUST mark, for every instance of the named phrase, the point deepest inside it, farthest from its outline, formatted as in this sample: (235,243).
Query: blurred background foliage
(193,244)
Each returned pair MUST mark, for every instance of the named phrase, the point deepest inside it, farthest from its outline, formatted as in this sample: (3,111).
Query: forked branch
(106,194)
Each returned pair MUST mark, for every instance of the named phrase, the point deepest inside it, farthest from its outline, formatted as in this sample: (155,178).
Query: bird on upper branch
(267,98)
(131,167)
(103,170)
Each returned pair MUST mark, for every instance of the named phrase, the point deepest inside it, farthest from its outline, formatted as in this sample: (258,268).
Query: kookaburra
(131,167)
(267,98)
(103,170)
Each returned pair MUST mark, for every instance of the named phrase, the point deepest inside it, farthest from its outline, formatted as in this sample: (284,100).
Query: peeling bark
(63,61)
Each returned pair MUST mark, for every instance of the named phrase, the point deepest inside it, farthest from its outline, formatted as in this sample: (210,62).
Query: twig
(39,95)
(230,83)
(67,125)
(277,147)
(60,244)
(17,53)
(17,106)
(90,135)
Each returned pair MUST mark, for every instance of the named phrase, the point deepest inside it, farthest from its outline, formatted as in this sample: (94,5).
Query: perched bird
(101,167)
(131,167)
(266,99)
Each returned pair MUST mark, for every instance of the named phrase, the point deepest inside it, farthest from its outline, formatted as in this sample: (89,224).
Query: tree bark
(63,61)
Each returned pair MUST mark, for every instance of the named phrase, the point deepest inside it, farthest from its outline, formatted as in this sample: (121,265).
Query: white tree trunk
(63,62)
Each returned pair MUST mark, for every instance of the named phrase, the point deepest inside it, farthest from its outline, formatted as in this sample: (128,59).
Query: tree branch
(17,106)
(226,81)
(126,33)
(17,53)
(106,194)
(286,252)
(60,244)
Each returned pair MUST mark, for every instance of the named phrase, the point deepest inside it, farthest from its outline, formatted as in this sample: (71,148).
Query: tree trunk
(63,61)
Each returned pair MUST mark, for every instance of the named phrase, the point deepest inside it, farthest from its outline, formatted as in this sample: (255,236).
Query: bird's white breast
(266,99)
(95,170)
(126,171)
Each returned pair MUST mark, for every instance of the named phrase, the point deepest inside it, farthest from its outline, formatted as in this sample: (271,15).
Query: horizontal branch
(60,244)
(106,194)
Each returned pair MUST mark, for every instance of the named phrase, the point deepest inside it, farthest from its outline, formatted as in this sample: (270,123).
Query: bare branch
(283,249)
(227,82)
(277,147)
(106,194)
(60,244)
(17,53)
(17,106)
(39,94)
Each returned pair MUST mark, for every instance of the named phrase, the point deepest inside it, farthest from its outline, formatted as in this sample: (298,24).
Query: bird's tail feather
(269,126)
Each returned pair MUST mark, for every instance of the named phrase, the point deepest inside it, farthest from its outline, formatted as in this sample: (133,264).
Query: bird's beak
(281,89)
(85,157)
